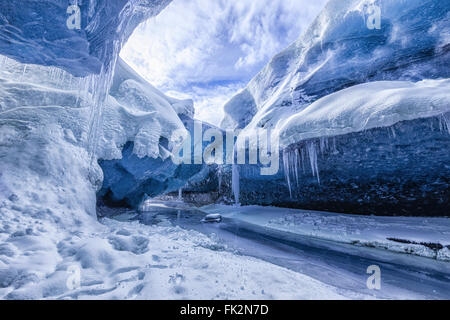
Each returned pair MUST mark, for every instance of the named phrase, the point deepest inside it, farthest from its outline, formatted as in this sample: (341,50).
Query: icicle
(219,179)
(296,165)
(302,150)
(99,88)
(334,148)
(235,183)
(98,85)
(394,135)
(3,62)
(23,72)
(313,160)
(286,170)
(444,122)
(323,145)
(180,194)
(60,80)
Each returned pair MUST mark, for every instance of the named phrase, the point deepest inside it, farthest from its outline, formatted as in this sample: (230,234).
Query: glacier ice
(90,52)
(366,106)
(340,82)
(66,101)
(48,187)
(313,132)
(35,31)
(55,101)
(364,172)
(140,130)
(339,51)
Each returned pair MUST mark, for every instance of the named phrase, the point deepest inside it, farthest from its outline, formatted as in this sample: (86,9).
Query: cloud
(212,47)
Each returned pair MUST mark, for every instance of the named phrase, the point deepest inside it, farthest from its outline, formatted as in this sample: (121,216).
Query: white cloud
(218,45)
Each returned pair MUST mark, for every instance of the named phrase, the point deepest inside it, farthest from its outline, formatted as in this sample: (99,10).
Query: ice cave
(357,121)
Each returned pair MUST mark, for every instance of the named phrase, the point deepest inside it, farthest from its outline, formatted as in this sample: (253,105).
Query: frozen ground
(428,237)
(340,265)
(129,260)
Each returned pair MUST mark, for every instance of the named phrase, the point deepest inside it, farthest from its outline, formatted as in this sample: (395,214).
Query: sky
(208,50)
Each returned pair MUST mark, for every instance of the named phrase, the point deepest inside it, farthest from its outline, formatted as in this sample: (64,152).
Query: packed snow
(128,260)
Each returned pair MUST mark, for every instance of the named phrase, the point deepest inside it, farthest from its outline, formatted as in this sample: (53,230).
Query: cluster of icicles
(302,159)
(444,122)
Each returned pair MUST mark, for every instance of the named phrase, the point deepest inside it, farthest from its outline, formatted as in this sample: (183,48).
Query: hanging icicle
(313,160)
(235,187)
(444,122)
(219,179)
(286,170)
(294,162)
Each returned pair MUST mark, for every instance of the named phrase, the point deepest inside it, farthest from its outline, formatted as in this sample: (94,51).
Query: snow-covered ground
(340,265)
(128,260)
(427,237)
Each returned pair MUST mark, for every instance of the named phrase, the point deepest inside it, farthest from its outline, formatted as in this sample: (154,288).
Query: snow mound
(367,106)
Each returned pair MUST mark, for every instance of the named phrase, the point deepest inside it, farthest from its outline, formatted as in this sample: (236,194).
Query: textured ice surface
(122,260)
(35,31)
(362,114)
(130,177)
(366,106)
(397,170)
(141,114)
(379,147)
(339,51)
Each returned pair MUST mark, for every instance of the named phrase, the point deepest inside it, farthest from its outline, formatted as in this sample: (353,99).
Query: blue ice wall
(411,44)
(128,180)
(35,31)
(399,170)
